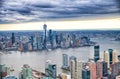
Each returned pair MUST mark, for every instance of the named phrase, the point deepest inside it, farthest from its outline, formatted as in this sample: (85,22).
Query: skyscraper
(65,60)
(32,41)
(96,53)
(79,69)
(99,69)
(92,67)
(45,34)
(105,69)
(115,57)
(86,74)
(73,69)
(51,38)
(107,58)
(13,38)
(111,55)
(115,69)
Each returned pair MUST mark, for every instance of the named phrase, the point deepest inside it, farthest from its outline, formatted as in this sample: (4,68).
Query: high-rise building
(51,38)
(105,69)
(86,74)
(92,67)
(45,35)
(111,55)
(99,69)
(73,66)
(115,69)
(13,38)
(51,71)
(72,69)
(102,69)
(65,60)
(107,58)
(96,53)
(115,57)
(79,69)
(32,41)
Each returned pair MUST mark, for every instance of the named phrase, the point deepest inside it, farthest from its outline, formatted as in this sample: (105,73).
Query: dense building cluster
(48,39)
(97,68)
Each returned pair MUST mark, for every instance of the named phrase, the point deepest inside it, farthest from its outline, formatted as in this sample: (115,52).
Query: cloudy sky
(24,11)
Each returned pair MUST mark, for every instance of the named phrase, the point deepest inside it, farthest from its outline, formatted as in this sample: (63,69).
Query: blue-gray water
(37,59)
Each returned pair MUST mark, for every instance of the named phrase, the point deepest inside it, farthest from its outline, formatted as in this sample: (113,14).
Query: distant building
(51,37)
(86,74)
(96,53)
(32,41)
(13,38)
(45,35)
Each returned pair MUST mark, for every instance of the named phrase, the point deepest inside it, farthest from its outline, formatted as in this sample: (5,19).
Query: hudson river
(37,60)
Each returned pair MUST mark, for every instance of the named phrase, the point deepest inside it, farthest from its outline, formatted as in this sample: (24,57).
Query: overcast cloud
(12,11)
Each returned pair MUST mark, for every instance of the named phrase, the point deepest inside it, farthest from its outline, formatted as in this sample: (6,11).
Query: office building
(13,38)
(115,57)
(99,69)
(73,66)
(73,69)
(86,74)
(111,55)
(96,53)
(92,67)
(51,38)
(107,58)
(32,41)
(115,69)
(51,71)
(45,35)
(65,60)
(105,69)
(79,69)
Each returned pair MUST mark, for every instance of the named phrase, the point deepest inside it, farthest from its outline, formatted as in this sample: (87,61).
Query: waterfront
(37,59)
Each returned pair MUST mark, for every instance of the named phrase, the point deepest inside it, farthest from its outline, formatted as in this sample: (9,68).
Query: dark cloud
(118,4)
(37,10)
